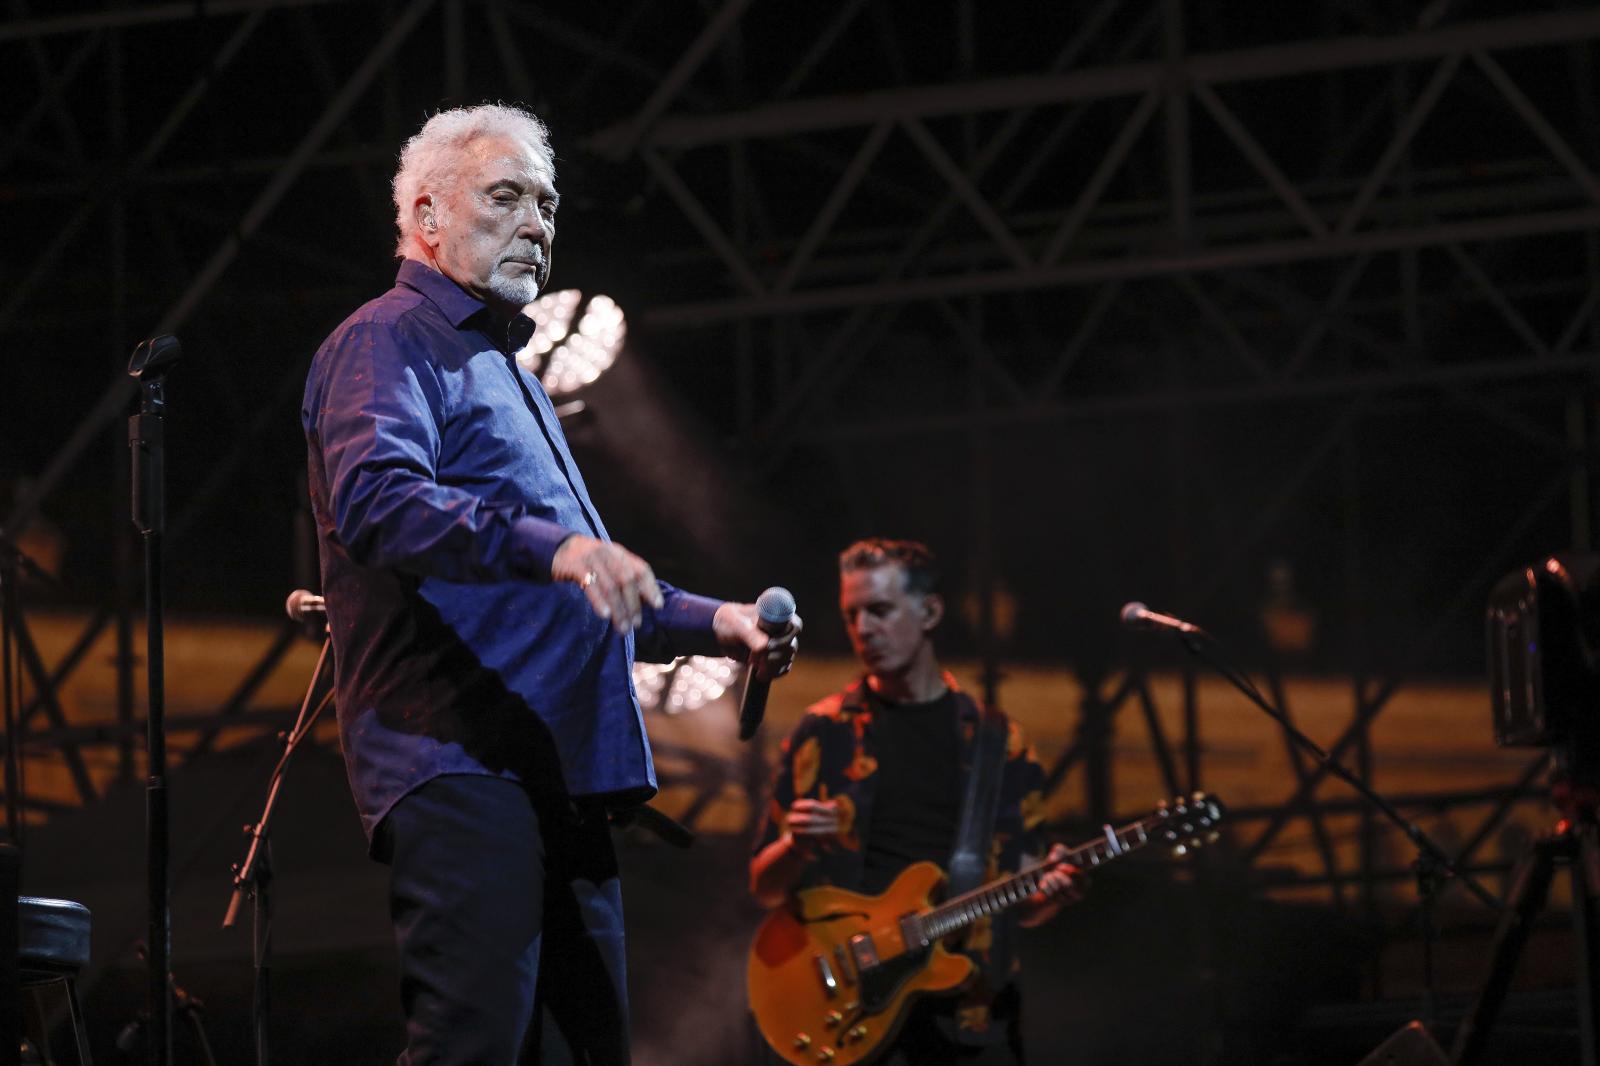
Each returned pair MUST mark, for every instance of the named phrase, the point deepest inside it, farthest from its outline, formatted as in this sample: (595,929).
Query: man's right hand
(617,582)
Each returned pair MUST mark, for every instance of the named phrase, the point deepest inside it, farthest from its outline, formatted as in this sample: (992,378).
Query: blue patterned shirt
(442,486)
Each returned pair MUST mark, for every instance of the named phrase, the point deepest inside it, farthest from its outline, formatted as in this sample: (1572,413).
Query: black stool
(52,946)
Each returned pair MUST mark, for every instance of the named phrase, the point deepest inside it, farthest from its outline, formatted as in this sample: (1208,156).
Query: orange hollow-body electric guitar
(832,973)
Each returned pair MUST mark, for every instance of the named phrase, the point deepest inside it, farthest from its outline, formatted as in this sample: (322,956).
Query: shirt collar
(855,698)
(457,304)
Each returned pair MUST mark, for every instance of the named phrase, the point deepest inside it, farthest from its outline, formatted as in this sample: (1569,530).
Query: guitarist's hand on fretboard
(1058,886)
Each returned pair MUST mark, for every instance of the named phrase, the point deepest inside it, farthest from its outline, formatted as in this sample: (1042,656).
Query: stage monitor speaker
(1411,1046)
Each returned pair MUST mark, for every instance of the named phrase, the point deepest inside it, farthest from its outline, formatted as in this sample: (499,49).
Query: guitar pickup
(863,952)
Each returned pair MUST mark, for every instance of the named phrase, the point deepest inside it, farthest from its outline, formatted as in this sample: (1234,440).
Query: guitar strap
(969,862)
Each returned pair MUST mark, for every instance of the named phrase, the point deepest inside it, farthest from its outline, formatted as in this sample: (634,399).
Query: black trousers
(507,913)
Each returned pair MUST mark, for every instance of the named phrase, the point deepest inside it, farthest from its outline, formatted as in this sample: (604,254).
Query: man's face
(493,232)
(888,625)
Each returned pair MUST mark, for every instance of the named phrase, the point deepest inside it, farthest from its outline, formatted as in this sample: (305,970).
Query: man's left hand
(741,638)
(1057,887)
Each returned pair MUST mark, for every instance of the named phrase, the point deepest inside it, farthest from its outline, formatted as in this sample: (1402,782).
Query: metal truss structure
(1113,211)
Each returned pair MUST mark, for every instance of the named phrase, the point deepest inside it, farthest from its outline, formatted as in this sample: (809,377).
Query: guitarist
(874,778)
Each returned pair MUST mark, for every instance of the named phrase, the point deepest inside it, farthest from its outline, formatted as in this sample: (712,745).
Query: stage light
(686,684)
(573,342)
(650,681)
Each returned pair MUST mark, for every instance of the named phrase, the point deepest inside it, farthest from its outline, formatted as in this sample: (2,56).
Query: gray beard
(520,290)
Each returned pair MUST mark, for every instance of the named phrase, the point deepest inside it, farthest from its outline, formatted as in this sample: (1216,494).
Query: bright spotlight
(686,684)
(573,342)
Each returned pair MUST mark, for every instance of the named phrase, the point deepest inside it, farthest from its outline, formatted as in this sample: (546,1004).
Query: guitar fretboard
(986,900)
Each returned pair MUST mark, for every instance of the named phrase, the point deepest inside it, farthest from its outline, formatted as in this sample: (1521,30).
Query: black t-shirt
(917,799)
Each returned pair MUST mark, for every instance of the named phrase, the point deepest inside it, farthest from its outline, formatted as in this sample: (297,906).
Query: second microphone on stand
(1136,615)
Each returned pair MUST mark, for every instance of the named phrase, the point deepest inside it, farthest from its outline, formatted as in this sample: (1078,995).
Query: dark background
(1153,468)
(1203,391)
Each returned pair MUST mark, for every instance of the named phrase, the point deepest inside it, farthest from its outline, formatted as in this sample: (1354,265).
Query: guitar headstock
(1188,822)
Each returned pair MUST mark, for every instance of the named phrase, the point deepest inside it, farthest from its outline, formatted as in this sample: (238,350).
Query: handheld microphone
(1136,615)
(774,611)
(303,602)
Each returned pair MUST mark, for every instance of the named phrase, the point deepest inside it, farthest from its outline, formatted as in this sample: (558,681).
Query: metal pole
(145,433)
(983,527)
(1177,125)
(147,448)
(158,931)
(9,669)
(125,582)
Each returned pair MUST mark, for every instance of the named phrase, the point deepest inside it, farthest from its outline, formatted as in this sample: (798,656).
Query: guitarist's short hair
(921,566)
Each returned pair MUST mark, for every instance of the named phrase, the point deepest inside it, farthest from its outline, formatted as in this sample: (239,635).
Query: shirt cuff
(533,545)
(686,612)
(681,626)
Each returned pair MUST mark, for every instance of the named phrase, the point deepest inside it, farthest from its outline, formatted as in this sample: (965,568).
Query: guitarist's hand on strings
(1057,887)
(813,824)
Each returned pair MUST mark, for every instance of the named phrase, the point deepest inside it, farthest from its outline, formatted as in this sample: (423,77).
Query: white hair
(431,160)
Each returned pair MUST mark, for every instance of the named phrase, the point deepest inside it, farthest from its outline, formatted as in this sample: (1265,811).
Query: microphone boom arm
(1200,644)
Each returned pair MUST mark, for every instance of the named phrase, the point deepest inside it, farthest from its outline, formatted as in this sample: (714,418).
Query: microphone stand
(151,361)
(1432,866)
(253,876)
(11,557)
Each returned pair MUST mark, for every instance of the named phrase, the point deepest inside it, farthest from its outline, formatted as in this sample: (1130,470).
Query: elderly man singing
(484,624)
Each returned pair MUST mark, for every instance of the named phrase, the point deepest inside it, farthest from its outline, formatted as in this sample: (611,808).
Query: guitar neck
(1005,893)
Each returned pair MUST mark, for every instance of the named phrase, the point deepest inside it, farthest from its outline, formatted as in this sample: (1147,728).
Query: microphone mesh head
(775,606)
(1132,611)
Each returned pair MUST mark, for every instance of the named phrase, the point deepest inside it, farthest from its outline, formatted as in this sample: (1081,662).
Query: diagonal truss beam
(721,24)
(1089,198)
(1553,141)
(848,181)
(1372,706)
(50,98)
(969,194)
(1257,156)
(1400,143)
(1579,366)
(789,118)
(114,185)
(1161,263)
(702,221)
(116,396)
(128,17)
